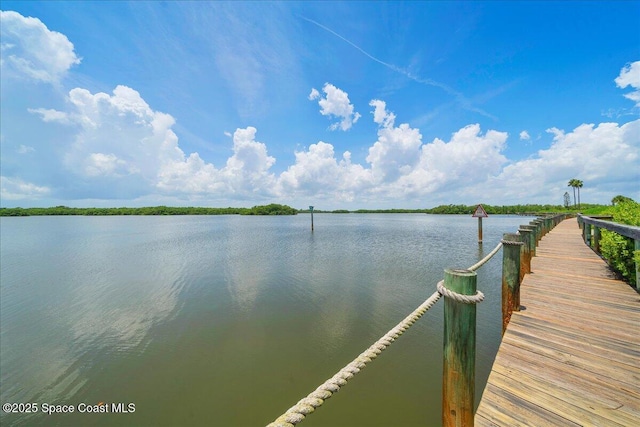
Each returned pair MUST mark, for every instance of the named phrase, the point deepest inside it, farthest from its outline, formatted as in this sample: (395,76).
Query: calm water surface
(230,320)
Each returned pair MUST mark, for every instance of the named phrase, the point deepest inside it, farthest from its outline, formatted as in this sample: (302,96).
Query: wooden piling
(525,258)
(538,225)
(532,239)
(459,359)
(510,276)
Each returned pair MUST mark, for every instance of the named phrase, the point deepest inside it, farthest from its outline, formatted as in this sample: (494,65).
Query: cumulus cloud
(399,165)
(50,115)
(630,76)
(17,189)
(468,157)
(317,172)
(336,104)
(30,50)
(524,136)
(397,150)
(126,149)
(607,154)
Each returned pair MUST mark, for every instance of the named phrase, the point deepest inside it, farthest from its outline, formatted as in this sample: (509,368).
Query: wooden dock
(571,357)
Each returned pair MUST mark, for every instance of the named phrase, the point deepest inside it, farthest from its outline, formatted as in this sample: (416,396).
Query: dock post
(459,358)
(525,260)
(532,240)
(510,276)
(539,230)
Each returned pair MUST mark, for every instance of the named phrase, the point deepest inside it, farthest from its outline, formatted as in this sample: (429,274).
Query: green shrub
(619,250)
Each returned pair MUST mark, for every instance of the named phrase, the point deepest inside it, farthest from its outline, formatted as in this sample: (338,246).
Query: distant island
(272,209)
(278,209)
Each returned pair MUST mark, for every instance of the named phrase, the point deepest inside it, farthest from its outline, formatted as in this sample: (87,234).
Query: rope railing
(316,398)
(484,260)
(305,406)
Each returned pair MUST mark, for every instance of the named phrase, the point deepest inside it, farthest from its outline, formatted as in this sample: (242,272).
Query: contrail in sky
(459,96)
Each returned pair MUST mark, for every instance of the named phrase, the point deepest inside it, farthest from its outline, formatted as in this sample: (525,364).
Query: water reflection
(86,295)
(212,311)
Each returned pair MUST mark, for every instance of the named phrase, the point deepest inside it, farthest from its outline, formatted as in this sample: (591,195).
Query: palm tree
(579,186)
(573,183)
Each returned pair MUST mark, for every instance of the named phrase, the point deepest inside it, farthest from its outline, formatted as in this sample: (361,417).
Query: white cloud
(118,135)
(397,150)
(630,76)
(50,115)
(524,136)
(468,157)
(336,104)
(401,166)
(314,94)
(380,115)
(104,164)
(248,168)
(607,154)
(318,173)
(246,172)
(29,49)
(123,148)
(17,189)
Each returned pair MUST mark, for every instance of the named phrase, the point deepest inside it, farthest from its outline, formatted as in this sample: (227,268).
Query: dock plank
(572,355)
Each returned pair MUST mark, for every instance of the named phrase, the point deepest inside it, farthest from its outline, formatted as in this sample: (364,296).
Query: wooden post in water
(459,358)
(525,258)
(311,209)
(532,240)
(479,213)
(510,276)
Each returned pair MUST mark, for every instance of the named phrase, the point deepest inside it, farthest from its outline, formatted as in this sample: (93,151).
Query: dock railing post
(459,358)
(596,239)
(637,248)
(537,223)
(510,276)
(532,241)
(587,234)
(525,259)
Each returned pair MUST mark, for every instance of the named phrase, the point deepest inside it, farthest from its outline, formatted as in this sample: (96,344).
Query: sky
(340,105)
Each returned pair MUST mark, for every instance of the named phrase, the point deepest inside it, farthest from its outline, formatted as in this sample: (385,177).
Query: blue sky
(336,104)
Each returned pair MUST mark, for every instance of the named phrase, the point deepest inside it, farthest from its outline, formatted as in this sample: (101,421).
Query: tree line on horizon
(271,209)
(278,209)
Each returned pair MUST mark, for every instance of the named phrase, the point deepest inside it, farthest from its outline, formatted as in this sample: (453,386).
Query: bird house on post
(480,213)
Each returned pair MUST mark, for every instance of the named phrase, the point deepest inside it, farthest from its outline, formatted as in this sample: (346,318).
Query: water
(229,320)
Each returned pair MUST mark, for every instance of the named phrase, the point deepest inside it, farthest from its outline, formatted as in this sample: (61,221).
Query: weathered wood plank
(509,409)
(572,356)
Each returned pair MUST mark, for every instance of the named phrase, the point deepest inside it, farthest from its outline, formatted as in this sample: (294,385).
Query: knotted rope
(465,299)
(511,242)
(297,413)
